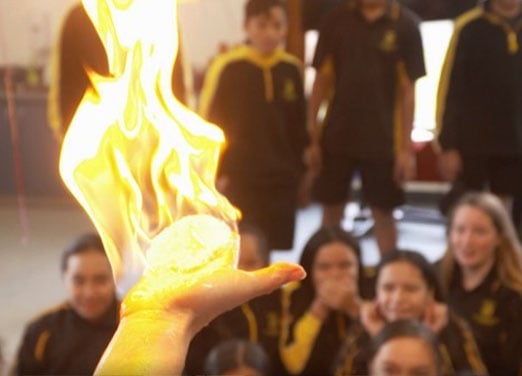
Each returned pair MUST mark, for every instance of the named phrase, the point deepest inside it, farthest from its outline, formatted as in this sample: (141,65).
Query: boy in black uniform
(480,102)
(255,94)
(369,55)
(70,338)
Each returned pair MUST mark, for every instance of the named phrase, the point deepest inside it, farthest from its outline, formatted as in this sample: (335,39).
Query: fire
(137,160)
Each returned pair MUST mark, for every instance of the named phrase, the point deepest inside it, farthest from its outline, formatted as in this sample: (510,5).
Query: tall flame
(135,158)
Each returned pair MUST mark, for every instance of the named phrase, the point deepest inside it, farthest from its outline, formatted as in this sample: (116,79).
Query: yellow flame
(134,157)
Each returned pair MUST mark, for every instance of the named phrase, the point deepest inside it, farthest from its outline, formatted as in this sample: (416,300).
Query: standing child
(255,94)
(480,102)
(368,57)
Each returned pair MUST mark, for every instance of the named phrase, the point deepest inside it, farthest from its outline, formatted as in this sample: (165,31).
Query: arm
(411,66)
(321,93)
(295,354)
(212,95)
(405,162)
(299,338)
(298,334)
(31,352)
(323,86)
(449,97)
(213,106)
(160,317)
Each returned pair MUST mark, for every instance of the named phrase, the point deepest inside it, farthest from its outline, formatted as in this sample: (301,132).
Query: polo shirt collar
(490,283)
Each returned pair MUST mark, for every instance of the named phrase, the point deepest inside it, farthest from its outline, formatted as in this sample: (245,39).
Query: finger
(234,287)
(231,288)
(270,278)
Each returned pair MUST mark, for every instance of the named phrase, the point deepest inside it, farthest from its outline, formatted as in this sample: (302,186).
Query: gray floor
(29,273)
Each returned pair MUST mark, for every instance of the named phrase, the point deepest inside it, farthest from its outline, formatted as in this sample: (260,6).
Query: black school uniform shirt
(494,313)
(480,91)
(60,342)
(368,60)
(457,346)
(259,103)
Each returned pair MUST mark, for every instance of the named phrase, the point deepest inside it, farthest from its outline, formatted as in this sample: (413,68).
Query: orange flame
(135,158)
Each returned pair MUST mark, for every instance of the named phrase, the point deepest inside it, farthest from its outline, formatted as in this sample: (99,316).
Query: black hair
(234,353)
(416,259)
(259,235)
(325,235)
(254,8)
(85,242)
(410,329)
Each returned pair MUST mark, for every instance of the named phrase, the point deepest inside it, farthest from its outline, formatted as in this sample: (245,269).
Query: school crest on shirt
(388,41)
(289,91)
(486,315)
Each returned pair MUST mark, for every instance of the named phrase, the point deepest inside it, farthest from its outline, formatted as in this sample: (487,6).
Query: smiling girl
(407,289)
(482,272)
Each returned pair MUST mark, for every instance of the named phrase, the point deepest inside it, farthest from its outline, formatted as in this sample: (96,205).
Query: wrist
(147,342)
(319,310)
(168,328)
(352,307)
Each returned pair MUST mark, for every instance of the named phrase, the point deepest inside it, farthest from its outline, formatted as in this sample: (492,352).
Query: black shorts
(379,188)
(271,208)
(501,175)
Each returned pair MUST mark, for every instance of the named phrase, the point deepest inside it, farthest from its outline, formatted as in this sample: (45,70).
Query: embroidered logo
(486,315)
(289,91)
(388,41)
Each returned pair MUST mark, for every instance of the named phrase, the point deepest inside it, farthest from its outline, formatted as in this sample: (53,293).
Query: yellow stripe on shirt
(41,344)
(447,66)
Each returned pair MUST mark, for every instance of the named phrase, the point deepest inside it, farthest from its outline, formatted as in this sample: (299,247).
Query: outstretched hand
(161,314)
(205,297)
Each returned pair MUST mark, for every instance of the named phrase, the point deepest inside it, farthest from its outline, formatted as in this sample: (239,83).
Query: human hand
(159,316)
(450,164)
(404,169)
(436,316)
(341,295)
(203,298)
(180,293)
(371,318)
